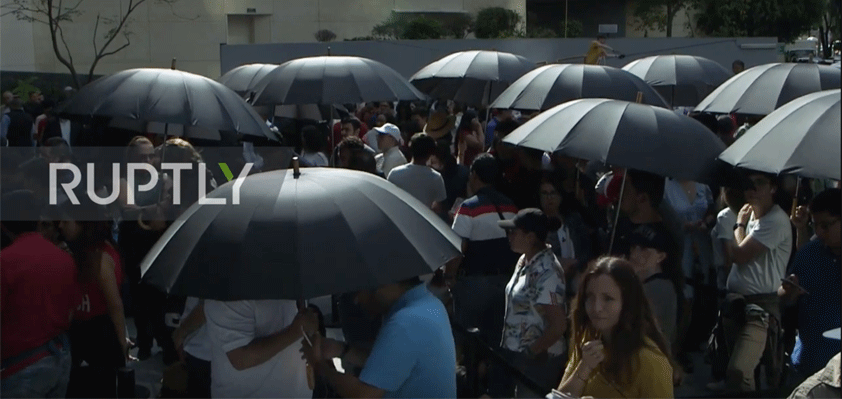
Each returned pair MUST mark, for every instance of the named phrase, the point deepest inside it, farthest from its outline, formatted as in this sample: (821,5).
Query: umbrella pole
(617,215)
(795,197)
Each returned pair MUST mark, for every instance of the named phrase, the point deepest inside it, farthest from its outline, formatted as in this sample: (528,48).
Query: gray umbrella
(551,85)
(683,80)
(333,80)
(326,231)
(166,96)
(472,77)
(625,134)
(802,137)
(762,89)
(243,79)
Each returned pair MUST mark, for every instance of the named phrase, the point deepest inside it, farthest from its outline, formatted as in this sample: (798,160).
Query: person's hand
(312,354)
(800,217)
(463,146)
(593,353)
(744,215)
(476,124)
(178,341)
(792,286)
(307,320)
(126,346)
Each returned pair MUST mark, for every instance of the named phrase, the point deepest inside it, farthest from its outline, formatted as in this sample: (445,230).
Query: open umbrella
(169,97)
(243,79)
(551,85)
(624,134)
(683,80)
(333,80)
(762,89)
(802,137)
(472,77)
(299,236)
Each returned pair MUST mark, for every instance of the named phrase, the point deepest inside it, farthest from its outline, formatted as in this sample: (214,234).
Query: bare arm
(576,381)
(745,249)
(347,386)
(107,281)
(260,350)
(555,323)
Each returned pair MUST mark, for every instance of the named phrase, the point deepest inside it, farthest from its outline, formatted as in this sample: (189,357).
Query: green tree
(784,19)
(830,27)
(423,28)
(57,15)
(657,14)
(496,22)
(574,29)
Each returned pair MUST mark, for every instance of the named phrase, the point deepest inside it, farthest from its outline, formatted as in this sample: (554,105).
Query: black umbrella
(325,231)
(243,79)
(684,80)
(333,80)
(551,85)
(624,134)
(472,77)
(802,137)
(166,96)
(762,89)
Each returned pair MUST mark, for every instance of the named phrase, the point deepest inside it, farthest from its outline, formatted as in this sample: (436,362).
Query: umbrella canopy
(328,231)
(802,137)
(762,89)
(625,134)
(551,85)
(683,80)
(472,77)
(243,79)
(166,96)
(333,80)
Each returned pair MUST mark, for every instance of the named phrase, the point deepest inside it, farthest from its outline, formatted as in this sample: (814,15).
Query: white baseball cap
(391,130)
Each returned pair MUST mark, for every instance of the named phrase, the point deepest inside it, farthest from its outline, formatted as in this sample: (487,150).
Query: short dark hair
(829,201)
(421,111)
(311,140)
(351,143)
(647,183)
(505,127)
(738,62)
(422,145)
(601,37)
(486,167)
(362,160)
(709,120)
(353,122)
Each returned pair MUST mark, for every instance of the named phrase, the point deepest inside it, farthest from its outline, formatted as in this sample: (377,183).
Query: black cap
(647,236)
(529,220)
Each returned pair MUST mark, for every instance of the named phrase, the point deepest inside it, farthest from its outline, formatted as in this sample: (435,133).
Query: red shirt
(39,290)
(93,301)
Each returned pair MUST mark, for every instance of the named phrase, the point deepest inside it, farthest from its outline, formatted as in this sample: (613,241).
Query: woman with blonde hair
(616,348)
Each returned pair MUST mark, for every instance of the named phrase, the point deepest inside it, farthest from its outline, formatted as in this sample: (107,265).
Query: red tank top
(93,300)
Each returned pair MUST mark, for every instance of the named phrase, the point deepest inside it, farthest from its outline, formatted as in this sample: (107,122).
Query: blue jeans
(46,378)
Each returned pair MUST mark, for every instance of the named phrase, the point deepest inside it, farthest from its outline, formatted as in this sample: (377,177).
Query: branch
(66,48)
(128,42)
(172,10)
(54,26)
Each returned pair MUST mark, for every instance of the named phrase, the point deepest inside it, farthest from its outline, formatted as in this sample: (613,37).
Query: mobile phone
(306,338)
(796,285)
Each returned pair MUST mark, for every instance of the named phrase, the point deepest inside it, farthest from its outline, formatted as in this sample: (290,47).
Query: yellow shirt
(593,54)
(652,377)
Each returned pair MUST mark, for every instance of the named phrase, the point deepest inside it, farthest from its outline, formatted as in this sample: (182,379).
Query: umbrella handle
(617,215)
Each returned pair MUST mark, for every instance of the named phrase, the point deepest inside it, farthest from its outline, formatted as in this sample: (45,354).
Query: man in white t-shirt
(418,179)
(388,141)
(760,252)
(255,348)
(194,348)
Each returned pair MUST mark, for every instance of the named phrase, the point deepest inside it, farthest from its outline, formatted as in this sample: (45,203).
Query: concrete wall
(407,57)
(192,30)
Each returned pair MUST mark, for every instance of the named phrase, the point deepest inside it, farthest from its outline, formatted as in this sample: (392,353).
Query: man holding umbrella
(414,355)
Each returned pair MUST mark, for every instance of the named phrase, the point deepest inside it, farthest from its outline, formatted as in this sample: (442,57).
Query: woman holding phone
(616,348)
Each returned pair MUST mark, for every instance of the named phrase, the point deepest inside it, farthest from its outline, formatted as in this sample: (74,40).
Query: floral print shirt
(537,282)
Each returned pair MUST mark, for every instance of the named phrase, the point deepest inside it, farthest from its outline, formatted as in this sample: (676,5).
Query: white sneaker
(718,386)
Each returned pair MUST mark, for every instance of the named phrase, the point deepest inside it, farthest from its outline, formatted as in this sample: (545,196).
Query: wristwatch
(743,225)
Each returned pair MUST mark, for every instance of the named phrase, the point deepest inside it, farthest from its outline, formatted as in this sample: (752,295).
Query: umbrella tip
(296,171)
(172,66)
(328,50)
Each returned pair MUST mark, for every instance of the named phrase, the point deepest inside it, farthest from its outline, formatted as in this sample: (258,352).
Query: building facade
(192,30)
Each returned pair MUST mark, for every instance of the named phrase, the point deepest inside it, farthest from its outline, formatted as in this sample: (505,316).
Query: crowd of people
(560,292)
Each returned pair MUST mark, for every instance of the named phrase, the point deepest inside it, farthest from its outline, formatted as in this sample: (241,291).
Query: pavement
(148,373)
